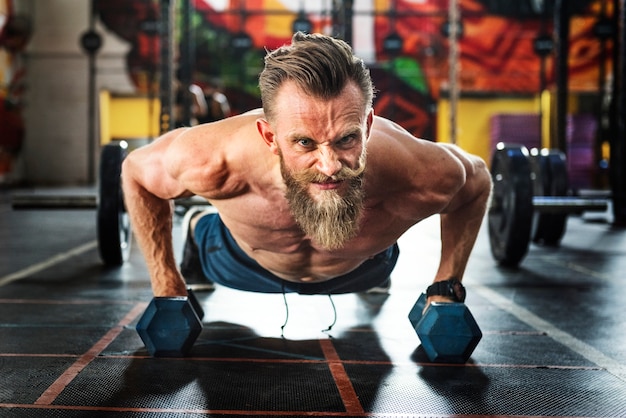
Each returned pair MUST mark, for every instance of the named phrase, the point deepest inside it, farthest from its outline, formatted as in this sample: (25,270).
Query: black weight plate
(511,210)
(540,175)
(114,233)
(549,174)
(553,228)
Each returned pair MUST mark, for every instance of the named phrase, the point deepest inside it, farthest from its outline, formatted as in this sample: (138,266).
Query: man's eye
(305,142)
(347,140)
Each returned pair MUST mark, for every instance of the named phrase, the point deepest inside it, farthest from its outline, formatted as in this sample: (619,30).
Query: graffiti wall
(15,31)
(496,49)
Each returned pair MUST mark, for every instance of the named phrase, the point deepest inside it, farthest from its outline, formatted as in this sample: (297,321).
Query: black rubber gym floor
(554,339)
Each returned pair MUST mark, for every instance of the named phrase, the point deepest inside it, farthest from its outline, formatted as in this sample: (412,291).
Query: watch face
(457,290)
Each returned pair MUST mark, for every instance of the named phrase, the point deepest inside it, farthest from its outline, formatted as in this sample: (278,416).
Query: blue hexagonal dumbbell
(448,331)
(170,325)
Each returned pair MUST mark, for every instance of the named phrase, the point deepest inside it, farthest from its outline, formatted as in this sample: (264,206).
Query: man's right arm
(148,190)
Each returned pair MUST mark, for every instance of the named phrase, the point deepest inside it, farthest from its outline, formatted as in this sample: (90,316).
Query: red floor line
(185,411)
(38,355)
(53,391)
(361,362)
(260,413)
(221,359)
(512,333)
(312,361)
(348,395)
(69,301)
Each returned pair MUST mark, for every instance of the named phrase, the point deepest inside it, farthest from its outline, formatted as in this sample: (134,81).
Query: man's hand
(439,299)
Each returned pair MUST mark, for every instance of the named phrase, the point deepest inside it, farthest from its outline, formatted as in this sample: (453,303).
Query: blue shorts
(225,263)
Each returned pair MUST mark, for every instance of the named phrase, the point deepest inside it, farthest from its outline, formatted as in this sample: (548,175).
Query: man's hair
(320,65)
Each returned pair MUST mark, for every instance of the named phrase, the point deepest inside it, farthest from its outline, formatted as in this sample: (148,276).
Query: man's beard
(330,219)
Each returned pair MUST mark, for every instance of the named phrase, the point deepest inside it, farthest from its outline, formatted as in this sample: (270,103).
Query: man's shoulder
(393,147)
(404,166)
(229,131)
(219,157)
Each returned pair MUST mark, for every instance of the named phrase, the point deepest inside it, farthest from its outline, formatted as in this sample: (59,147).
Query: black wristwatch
(451,288)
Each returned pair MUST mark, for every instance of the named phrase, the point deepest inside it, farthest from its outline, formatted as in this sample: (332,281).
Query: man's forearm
(151,220)
(458,236)
(459,230)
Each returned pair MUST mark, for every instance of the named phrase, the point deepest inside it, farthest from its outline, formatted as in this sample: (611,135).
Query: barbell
(531,200)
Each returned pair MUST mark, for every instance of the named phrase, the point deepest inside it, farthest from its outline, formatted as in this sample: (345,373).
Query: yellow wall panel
(125,116)
(473,119)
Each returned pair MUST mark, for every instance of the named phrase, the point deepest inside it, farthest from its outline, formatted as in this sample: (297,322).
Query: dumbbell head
(415,315)
(195,304)
(169,326)
(448,331)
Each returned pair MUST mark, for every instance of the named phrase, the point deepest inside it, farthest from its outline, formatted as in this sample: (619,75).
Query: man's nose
(328,162)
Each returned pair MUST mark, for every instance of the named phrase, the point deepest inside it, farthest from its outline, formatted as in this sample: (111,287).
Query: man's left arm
(462,218)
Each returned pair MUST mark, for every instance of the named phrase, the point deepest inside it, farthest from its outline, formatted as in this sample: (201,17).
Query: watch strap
(452,288)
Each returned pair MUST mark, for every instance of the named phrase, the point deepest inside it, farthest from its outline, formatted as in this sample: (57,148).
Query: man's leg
(190,266)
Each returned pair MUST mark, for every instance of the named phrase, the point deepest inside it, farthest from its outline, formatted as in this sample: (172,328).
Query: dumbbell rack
(531,201)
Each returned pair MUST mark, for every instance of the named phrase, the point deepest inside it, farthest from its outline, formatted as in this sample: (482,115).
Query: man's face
(321,145)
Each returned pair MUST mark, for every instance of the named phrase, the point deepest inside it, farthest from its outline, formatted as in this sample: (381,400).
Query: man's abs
(304,264)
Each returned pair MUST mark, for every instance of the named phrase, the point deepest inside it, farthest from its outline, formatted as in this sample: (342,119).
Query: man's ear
(264,128)
(370,122)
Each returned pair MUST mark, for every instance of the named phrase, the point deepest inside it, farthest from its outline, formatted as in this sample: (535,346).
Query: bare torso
(247,189)
(273,239)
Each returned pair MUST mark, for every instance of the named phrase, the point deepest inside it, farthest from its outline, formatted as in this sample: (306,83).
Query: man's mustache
(313,176)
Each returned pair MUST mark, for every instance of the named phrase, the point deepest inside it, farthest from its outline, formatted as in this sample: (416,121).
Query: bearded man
(308,194)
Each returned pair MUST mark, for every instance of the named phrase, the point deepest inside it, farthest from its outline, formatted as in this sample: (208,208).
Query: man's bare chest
(268,225)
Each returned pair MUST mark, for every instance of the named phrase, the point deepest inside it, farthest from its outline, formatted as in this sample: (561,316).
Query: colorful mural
(496,47)
(15,31)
